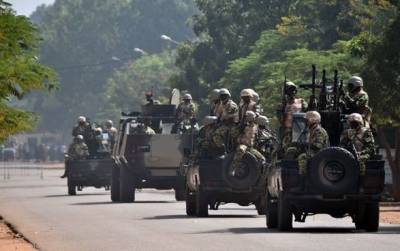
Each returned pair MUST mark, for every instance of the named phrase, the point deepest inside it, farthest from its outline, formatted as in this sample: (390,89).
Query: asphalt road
(42,211)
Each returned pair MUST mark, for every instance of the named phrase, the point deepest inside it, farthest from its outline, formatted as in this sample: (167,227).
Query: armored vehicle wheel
(285,219)
(190,203)
(180,194)
(126,185)
(115,186)
(71,188)
(261,205)
(272,212)
(371,217)
(201,203)
(248,173)
(334,171)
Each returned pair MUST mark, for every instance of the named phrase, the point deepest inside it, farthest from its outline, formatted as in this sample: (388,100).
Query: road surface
(41,210)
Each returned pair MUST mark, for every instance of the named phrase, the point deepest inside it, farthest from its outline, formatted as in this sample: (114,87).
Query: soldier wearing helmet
(246,142)
(360,138)
(81,127)
(229,114)
(215,108)
(77,150)
(186,109)
(356,99)
(205,145)
(246,103)
(266,141)
(291,105)
(316,139)
(112,133)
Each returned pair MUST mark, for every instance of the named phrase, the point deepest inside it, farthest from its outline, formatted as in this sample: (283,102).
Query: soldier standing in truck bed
(246,104)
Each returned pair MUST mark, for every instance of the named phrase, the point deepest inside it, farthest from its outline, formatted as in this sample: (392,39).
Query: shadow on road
(182,216)
(117,203)
(77,195)
(29,186)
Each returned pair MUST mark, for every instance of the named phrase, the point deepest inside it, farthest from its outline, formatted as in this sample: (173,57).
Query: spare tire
(249,174)
(334,171)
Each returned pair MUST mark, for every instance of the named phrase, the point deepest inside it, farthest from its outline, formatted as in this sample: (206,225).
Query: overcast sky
(26,7)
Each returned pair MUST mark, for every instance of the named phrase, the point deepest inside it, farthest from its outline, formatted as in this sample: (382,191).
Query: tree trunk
(393,159)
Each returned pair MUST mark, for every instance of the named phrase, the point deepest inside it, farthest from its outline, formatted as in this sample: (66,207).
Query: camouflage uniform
(358,103)
(265,143)
(316,139)
(205,144)
(78,150)
(244,107)
(185,111)
(362,140)
(228,119)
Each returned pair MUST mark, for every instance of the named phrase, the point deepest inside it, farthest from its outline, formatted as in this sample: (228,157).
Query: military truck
(333,184)
(209,183)
(149,161)
(94,171)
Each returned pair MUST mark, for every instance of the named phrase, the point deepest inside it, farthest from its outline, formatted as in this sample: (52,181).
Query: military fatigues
(245,143)
(363,142)
(317,139)
(228,119)
(265,143)
(358,103)
(112,136)
(216,109)
(185,111)
(292,106)
(244,107)
(80,130)
(205,144)
(78,151)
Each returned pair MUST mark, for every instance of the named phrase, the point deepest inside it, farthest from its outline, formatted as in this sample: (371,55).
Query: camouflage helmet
(187,96)
(313,117)
(262,121)
(214,95)
(246,93)
(355,117)
(250,116)
(290,84)
(255,97)
(208,120)
(79,138)
(356,81)
(109,123)
(81,119)
(98,130)
(224,91)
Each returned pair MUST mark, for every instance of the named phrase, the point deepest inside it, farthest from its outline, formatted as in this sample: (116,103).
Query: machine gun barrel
(335,90)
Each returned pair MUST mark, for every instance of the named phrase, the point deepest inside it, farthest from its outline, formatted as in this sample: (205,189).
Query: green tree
(20,70)
(81,38)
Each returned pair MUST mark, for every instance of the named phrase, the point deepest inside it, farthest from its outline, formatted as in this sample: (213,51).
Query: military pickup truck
(149,161)
(333,184)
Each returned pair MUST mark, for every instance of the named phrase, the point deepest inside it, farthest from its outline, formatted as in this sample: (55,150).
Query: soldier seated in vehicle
(144,128)
(291,105)
(81,127)
(205,145)
(358,139)
(266,142)
(78,150)
(312,140)
(228,119)
(112,133)
(246,142)
(246,103)
(185,113)
(215,103)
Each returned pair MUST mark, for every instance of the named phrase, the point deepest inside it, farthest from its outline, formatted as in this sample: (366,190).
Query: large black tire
(201,203)
(371,217)
(190,203)
(334,171)
(126,186)
(272,212)
(250,175)
(285,218)
(261,205)
(71,188)
(180,194)
(115,184)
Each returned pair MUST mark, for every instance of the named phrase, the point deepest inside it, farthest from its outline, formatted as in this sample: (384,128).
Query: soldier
(228,118)
(359,138)
(76,151)
(149,98)
(266,141)
(356,99)
(145,128)
(112,133)
(215,103)
(246,142)
(246,104)
(292,105)
(205,144)
(81,128)
(185,112)
(316,139)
